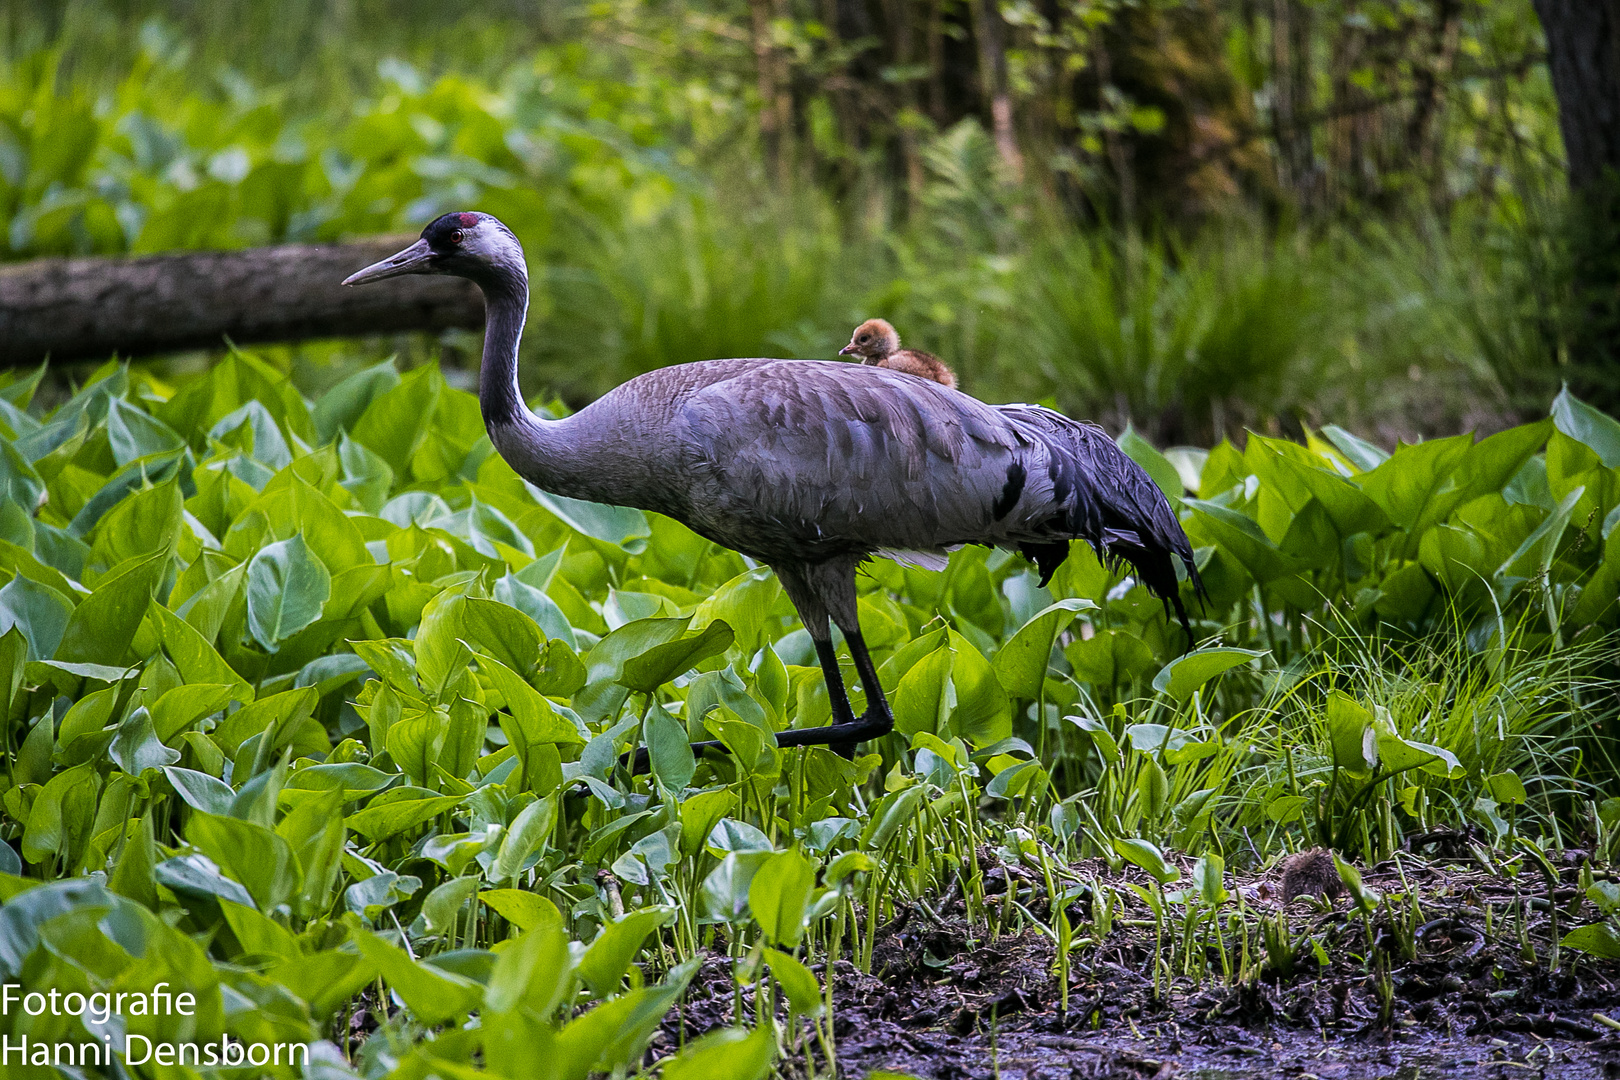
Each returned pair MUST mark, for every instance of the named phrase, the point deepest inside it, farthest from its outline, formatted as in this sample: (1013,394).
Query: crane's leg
(828,589)
(817,592)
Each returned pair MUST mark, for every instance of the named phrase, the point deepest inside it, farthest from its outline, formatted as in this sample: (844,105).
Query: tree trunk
(93,308)
(1583,50)
(991,33)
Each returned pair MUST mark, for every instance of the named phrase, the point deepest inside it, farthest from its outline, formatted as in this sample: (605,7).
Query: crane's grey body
(811,466)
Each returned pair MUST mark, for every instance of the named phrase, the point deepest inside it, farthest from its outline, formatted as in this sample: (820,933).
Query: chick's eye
(457,237)
(864,337)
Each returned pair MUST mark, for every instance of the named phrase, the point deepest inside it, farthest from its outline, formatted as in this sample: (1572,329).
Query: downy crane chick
(877,344)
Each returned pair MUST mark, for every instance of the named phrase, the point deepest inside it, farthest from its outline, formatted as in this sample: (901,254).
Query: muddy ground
(1463,999)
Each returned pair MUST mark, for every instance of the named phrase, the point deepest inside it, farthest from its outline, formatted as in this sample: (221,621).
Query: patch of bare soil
(1457,986)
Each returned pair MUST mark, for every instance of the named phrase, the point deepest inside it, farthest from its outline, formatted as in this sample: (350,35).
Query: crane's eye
(457,237)
(864,338)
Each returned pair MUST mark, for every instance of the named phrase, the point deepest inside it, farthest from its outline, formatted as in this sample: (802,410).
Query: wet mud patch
(1451,981)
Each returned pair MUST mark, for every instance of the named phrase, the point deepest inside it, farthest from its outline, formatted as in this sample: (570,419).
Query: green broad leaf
(1363,455)
(103,625)
(1208,875)
(416,742)
(669,753)
(1158,467)
(251,854)
(1148,857)
(503,632)
(1152,790)
(201,791)
(144,523)
(374,895)
(846,866)
(724,892)
(1021,664)
(1110,657)
(1416,476)
(197,876)
(136,870)
(982,714)
(1599,939)
(727,1054)
(1396,754)
(136,747)
(1535,556)
(523,909)
(1456,556)
(1286,808)
(33,765)
(522,596)
(1185,674)
(379,822)
(607,958)
(133,434)
(1351,735)
(1506,788)
(1585,424)
(1299,477)
(922,702)
(700,813)
(62,814)
(1362,895)
(527,834)
(1016,779)
(604,693)
(798,981)
(613,1036)
(259,936)
(183,706)
(441,654)
(648,671)
(530,720)
(536,971)
(434,995)
(622,526)
(323,980)
(889,815)
(286,588)
(779,896)
(396,421)
(443,904)
(1242,538)
(339,408)
(351,778)
(13,663)
(38,612)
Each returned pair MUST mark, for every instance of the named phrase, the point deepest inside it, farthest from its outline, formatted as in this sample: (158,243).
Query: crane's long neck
(506,305)
(547,453)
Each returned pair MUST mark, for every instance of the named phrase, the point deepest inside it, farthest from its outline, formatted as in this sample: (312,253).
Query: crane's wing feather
(814,459)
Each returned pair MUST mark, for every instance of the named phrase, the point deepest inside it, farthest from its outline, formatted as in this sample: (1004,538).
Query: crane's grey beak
(413,260)
(847,350)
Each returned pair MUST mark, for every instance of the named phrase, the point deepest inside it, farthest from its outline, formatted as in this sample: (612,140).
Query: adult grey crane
(811,466)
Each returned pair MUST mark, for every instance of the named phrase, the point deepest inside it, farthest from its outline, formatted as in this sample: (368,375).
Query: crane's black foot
(841,738)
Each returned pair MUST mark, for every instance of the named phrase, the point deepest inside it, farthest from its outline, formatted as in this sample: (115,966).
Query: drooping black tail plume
(1113,503)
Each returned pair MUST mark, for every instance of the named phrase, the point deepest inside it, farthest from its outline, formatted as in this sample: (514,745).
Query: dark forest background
(1195,216)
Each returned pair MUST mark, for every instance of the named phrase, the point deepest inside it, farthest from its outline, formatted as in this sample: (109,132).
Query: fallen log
(94,308)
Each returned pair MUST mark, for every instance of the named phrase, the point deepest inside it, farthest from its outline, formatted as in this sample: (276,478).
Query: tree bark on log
(94,308)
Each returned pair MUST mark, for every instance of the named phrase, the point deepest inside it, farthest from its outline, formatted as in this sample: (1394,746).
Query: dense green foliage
(303,696)
(623,144)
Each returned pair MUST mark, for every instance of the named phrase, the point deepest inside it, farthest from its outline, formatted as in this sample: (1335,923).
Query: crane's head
(469,245)
(872,341)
